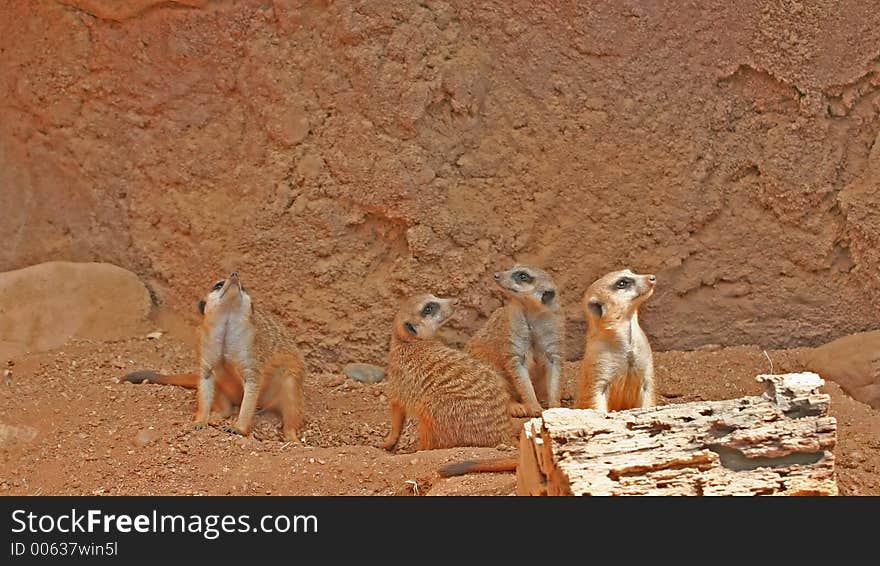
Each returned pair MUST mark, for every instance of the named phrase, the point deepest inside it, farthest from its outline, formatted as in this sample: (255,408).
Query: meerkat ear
(410,327)
(595,307)
(548,296)
(202,306)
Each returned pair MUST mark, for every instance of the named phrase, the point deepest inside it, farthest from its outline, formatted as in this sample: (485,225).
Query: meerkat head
(227,296)
(529,286)
(421,316)
(617,295)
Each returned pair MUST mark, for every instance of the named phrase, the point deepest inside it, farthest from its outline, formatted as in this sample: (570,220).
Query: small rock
(709,348)
(10,434)
(155,335)
(365,373)
(857,456)
(144,437)
(383,399)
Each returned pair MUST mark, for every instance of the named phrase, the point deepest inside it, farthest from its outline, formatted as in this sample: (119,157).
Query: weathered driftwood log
(776,444)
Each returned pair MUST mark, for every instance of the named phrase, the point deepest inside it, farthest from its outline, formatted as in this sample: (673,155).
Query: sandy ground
(67,427)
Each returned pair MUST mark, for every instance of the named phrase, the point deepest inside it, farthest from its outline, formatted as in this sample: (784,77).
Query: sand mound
(45,305)
(853,362)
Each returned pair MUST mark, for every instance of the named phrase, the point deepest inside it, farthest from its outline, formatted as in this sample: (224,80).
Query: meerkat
(457,400)
(233,339)
(617,371)
(524,339)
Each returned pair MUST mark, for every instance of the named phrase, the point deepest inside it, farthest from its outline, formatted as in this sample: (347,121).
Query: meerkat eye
(429,309)
(218,285)
(623,283)
(523,277)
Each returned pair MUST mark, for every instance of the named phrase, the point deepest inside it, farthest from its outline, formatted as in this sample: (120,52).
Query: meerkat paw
(518,410)
(388,445)
(523,410)
(292,436)
(230,429)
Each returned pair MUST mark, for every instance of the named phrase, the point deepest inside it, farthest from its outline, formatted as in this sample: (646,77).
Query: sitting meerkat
(233,340)
(524,340)
(617,371)
(457,400)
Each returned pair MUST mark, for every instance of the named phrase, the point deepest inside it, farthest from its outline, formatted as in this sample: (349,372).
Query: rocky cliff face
(340,154)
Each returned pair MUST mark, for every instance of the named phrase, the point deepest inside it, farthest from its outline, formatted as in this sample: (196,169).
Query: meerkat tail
(471,466)
(188,380)
(283,379)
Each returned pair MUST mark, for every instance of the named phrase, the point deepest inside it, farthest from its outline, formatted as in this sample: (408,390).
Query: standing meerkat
(457,400)
(233,339)
(618,367)
(524,339)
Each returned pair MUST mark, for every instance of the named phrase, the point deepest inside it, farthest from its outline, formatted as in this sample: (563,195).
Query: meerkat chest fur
(534,336)
(413,367)
(623,349)
(229,335)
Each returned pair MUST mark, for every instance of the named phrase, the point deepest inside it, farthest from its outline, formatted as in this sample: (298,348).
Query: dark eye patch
(429,309)
(217,286)
(523,277)
(623,283)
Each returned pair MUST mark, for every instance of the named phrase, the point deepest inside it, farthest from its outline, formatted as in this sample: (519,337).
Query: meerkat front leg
(206,396)
(549,336)
(249,400)
(525,388)
(646,391)
(398,416)
(554,381)
(600,397)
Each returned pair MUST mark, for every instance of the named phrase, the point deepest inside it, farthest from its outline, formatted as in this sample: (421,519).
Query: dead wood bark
(776,444)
